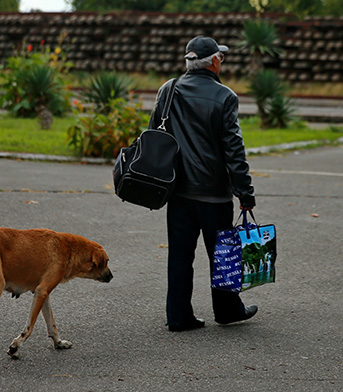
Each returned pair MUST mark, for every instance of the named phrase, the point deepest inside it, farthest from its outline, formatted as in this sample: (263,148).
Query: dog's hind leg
(37,304)
(52,327)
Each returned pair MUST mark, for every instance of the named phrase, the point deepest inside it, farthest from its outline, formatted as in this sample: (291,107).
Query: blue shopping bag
(245,256)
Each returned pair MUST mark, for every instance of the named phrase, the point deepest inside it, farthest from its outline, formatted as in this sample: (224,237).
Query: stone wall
(143,42)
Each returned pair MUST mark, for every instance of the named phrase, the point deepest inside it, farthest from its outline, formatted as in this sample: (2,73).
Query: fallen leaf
(257,174)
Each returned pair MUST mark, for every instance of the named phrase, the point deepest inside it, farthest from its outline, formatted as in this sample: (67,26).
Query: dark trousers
(186,219)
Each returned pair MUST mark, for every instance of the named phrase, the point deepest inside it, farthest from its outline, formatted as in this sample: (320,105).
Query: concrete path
(294,343)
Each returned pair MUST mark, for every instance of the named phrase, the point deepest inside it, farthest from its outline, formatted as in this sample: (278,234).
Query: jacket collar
(204,72)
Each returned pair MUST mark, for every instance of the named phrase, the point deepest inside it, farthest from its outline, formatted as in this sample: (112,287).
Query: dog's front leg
(52,327)
(2,279)
(37,303)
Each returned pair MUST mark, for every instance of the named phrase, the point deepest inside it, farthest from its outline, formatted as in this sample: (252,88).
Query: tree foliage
(300,8)
(117,5)
(207,6)
(9,5)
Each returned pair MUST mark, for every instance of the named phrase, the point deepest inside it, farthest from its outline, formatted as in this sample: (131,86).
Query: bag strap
(245,221)
(166,108)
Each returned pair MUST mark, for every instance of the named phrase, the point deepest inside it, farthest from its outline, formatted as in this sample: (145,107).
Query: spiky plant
(279,112)
(44,93)
(107,86)
(33,87)
(265,84)
(269,89)
(260,38)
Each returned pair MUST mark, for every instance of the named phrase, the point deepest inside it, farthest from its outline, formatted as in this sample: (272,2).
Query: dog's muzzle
(106,276)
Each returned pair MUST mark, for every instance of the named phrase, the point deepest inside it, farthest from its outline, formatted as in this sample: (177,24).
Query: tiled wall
(143,42)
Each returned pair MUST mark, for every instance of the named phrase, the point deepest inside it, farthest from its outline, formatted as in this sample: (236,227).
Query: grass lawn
(254,136)
(25,135)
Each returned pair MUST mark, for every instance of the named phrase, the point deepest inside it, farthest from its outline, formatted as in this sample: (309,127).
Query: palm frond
(259,36)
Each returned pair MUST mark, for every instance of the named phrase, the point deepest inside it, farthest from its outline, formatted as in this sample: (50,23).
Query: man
(212,167)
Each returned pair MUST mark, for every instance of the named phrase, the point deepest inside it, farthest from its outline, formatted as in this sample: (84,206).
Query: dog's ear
(99,258)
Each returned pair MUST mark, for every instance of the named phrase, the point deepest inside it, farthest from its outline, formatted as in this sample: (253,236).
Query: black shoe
(249,312)
(194,324)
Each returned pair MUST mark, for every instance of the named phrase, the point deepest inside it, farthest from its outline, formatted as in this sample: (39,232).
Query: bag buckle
(162,126)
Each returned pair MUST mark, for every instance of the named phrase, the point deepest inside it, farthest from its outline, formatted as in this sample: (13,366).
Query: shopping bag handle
(245,221)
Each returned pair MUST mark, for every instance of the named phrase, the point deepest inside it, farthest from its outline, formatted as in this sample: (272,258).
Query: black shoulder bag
(144,172)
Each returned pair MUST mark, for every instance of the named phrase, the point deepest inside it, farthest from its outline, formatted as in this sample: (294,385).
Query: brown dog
(38,260)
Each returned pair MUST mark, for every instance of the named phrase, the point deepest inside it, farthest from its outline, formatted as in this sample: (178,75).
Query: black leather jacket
(203,117)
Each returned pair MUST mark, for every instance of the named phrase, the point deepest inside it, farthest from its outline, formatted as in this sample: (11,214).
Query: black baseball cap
(201,47)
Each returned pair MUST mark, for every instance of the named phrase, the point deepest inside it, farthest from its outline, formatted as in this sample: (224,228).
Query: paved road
(294,343)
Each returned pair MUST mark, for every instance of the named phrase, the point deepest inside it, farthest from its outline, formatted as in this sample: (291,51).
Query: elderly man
(212,167)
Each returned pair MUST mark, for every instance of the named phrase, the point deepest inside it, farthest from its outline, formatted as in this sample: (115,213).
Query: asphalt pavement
(120,342)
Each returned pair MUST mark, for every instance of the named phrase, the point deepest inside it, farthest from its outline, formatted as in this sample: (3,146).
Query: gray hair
(192,65)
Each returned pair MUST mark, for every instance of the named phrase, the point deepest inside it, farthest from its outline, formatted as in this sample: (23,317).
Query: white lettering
(220,251)
(233,273)
(225,284)
(223,267)
(231,258)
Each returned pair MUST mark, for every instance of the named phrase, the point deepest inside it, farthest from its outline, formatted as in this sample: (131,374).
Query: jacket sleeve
(234,154)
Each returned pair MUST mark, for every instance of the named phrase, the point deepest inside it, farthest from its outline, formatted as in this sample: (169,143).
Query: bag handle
(166,108)
(245,221)
(243,214)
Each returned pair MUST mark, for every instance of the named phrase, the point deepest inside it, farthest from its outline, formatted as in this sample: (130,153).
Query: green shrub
(260,38)
(103,135)
(279,112)
(268,89)
(106,86)
(33,83)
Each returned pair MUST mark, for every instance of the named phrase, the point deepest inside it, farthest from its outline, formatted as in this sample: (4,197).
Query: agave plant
(42,87)
(107,86)
(43,92)
(279,112)
(30,88)
(264,85)
(269,89)
(260,38)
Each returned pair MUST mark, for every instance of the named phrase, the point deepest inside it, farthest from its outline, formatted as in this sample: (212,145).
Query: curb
(289,146)
(54,158)
(102,161)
